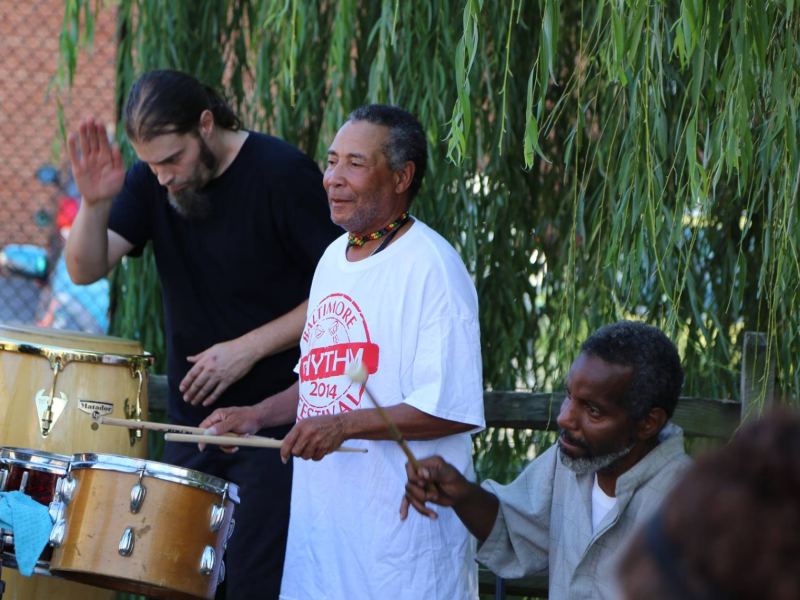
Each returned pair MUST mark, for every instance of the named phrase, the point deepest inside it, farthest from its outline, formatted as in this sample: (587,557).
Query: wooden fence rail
(699,417)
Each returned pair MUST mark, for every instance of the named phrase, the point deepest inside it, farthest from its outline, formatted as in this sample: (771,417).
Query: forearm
(280,409)
(278,335)
(478,511)
(86,252)
(413,424)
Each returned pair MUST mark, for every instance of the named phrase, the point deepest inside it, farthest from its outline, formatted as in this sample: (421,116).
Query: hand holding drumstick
(357,373)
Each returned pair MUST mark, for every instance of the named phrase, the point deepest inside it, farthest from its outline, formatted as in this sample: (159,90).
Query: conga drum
(51,385)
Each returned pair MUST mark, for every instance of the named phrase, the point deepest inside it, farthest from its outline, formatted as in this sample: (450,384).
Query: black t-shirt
(250,262)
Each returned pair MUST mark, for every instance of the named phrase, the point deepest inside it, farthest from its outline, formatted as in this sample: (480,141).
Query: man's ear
(652,423)
(404,177)
(206,124)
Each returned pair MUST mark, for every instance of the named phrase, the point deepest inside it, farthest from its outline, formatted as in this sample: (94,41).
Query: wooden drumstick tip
(357,373)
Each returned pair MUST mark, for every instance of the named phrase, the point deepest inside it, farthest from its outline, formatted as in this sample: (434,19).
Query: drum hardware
(65,488)
(138,493)
(207,561)
(229,534)
(58,533)
(56,511)
(3,477)
(50,407)
(217,517)
(218,512)
(126,543)
(23,482)
(221,577)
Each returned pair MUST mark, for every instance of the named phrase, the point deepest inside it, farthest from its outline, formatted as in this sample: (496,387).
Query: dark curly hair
(658,375)
(164,101)
(730,527)
(407,141)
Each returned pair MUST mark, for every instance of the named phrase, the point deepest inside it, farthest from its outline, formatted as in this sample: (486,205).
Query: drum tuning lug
(221,577)
(126,543)
(57,533)
(49,412)
(217,517)
(138,493)
(207,561)
(228,535)
(56,511)
(66,489)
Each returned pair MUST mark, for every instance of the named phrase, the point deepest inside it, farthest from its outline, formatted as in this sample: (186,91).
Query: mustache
(574,441)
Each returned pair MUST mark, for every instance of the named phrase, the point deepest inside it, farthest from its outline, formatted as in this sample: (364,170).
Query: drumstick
(357,373)
(152,426)
(252,441)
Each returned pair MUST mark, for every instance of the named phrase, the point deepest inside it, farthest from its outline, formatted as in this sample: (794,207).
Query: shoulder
(275,154)
(140,172)
(430,251)
(435,260)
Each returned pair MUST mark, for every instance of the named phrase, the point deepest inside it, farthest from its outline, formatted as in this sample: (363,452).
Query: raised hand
(97,169)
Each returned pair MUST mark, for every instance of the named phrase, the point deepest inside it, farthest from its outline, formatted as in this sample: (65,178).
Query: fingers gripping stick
(357,373)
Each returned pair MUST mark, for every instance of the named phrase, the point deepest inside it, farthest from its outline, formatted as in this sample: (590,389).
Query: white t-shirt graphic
(410,314)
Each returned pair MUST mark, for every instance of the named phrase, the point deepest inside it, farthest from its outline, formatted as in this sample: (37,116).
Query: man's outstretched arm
(476,507)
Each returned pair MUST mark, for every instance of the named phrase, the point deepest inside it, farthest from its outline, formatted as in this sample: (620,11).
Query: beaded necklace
(355,240)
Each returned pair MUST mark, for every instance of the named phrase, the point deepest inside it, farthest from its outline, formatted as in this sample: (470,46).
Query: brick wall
(29,43)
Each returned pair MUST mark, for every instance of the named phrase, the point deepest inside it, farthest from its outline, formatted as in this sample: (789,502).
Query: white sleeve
(447,374)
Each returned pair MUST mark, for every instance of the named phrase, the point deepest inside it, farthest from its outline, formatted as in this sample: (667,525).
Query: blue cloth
(30,522)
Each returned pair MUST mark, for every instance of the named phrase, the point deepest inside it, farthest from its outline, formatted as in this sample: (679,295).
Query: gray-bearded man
(571,512)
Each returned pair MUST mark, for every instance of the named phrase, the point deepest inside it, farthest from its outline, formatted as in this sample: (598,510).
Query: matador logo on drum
(335,335)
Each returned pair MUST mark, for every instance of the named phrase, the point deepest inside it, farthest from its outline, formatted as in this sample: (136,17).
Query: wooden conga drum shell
(171,529)
(107,383)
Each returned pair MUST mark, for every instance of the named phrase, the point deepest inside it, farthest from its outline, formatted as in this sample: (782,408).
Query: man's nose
(567,417)
(333,177)
(164,177)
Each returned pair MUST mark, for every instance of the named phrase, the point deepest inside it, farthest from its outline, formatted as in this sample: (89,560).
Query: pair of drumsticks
(356,372)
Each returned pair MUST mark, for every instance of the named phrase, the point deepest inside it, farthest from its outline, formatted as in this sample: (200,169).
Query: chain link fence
(38,198)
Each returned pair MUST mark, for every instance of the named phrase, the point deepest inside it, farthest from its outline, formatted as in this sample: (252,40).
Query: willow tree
(589,160)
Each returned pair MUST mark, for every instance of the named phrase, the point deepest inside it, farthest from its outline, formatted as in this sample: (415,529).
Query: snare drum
(143,527)
(52,383)
(38,475)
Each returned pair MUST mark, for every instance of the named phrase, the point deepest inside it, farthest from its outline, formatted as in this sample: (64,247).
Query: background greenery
(590,160)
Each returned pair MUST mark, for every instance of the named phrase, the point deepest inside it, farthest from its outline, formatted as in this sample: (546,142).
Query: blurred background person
(730,528)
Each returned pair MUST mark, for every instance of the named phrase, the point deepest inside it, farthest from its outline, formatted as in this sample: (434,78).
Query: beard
(366,212)
(591,463)
(190,202)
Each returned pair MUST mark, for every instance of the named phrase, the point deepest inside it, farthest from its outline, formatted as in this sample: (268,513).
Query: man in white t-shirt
(571,512)
(394,296)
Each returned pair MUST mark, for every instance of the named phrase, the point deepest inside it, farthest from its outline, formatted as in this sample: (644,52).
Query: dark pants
(254,559)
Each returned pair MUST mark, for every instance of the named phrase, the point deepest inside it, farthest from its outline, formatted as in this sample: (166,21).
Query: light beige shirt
(544,525)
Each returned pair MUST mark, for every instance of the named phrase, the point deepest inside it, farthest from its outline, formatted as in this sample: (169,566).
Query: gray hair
(658,375)
(407,141)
